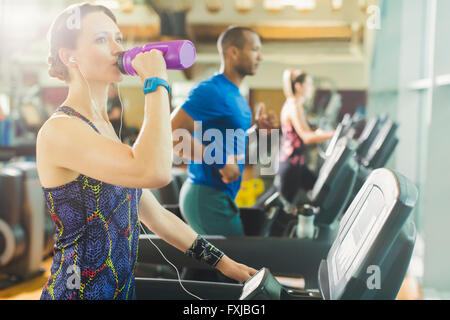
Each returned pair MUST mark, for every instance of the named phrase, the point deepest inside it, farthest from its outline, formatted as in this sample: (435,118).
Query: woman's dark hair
(299,79)
(64,33)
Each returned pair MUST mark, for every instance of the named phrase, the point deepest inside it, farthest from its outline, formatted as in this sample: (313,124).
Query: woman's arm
(178,234)
(298,120)
(69,143)
(164,223)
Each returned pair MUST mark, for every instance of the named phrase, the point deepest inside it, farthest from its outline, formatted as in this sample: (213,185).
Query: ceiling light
(300,5)
(244,6)
(111,4)
(304,5)
(214,6)
(336,5)
(273,6)
(362,5)
(126,6)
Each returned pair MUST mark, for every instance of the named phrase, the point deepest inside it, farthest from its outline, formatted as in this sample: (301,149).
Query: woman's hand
(325,134)
(150,64)
(234,270)
(263,120)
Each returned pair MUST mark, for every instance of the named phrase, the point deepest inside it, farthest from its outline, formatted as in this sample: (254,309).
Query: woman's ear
(67,57)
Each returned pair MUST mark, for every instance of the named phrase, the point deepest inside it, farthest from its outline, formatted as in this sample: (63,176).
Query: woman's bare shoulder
(287,111)
(53,132)
(57,125)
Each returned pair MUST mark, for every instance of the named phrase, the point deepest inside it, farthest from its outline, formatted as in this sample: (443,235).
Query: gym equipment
(328,198)
(368,135)
(249,192)
(331,195)
(383,146)
(345,128)
(26,231)
(12,234)
(333,189)
(368,259)
(324,112)
(376,154)
(372,150)
(371,254)
(178,54)
(336,178)
(25,150)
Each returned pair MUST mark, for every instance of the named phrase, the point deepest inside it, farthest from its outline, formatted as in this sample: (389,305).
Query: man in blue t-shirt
(218,117)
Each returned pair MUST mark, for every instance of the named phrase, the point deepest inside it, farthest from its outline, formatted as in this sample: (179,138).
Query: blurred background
(367,57)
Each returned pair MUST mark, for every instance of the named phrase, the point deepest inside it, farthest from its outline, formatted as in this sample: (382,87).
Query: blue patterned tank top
(97,232)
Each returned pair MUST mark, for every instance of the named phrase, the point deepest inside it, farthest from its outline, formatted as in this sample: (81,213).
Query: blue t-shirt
(222,117)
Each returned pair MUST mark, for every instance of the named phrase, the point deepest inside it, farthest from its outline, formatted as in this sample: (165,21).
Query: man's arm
(183,125)
(189,148)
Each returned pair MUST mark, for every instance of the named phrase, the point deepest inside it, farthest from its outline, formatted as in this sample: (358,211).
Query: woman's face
(305,89)
(98,47)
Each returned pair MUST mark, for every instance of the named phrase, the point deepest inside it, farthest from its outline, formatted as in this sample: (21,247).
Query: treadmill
(378,153)
(373,143)
(368,135)
(340,178)
(27,234)
(332,192)
(368,259)
(383,146)
(345,128)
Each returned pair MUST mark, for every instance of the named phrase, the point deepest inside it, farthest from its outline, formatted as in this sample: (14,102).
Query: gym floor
(31,289)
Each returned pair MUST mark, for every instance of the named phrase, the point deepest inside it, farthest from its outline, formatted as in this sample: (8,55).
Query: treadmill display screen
(328,166)
(333,141)
(380,139)
(368,129)
(357,238)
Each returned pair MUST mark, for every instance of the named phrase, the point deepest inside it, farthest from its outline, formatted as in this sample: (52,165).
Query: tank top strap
(71,112)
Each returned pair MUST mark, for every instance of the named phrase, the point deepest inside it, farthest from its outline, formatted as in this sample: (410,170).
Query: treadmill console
(328,166)
(262,286)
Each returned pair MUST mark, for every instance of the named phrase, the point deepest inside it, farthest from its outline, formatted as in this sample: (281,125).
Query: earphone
(72,59)
(162,254)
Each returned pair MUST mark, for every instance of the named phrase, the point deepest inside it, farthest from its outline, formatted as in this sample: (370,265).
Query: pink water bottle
(178,54)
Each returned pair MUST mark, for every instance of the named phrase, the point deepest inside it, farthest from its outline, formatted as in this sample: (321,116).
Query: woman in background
(293,172)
